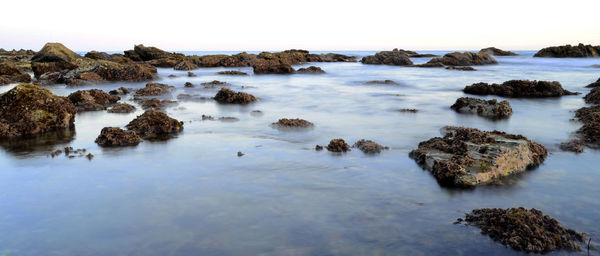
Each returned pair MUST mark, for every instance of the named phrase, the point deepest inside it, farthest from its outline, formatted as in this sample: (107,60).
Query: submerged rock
(338,146)
(486,108)
(575,146)
(497,52)
(154,124)
(154,89)
(232,73)
(229,96)
(122,108)
(92,100)
(593,97)
(525,230)
(467,157)
(408,110)
(465,68)
(119,91)
(311,70)
(594,84)
(155,103)
(568,51)
(369,146)
(464,59)
(188,85)
(28,109)
(213,84)
(519,88)
(117,137)
(395,57)
(292,123)
(388,82)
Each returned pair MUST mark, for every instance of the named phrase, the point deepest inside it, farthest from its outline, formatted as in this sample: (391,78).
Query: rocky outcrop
(154,89)
(121,108)
(185,65)
(593,97)
(55,52)
(590,131)
(272,66)
(147,53)
(230,97)
(568,51)
(394,57)
(92,100)
(338,146)
(369,146)
(154,124)
(467,157)
(464,59)
(524,230)
(594,84)
(232,73)
(497,52)
(286,123)
(117,137)
(28,109)
(519,89)
(311,70)
(486,108)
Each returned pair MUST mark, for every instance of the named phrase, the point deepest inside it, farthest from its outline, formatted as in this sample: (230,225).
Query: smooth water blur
(192,195)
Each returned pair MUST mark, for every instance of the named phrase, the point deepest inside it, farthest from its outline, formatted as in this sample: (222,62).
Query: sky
(232,25)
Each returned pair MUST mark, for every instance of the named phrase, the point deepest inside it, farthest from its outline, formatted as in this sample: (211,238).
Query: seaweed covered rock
(229,96)
(467,157)
(92,100)
(272,66)
(464,59)
(369,146)
(154,89)
(185,65)
(154,124)
(568,51)
(121,108)
(525,230)
(594,84)
(497,52)
(593,97)
(232,73)
(292,123)
(311,70)
(28,109)
(589,133)
(338,146)
(395,57)
(117,137)
(55,52)
(519,89)
(486,108)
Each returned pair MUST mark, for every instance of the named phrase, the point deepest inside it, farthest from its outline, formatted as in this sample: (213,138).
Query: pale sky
(309,24)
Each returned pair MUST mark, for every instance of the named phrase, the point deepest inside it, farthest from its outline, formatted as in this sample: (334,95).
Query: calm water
(192,195)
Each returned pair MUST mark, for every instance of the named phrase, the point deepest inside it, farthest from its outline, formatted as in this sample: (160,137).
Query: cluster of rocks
(154,103)
(340,146)
(151,125)
(589,133)
(69,152)
(569,51)
(467,157)
(213,84)
(519,88)
(486,108)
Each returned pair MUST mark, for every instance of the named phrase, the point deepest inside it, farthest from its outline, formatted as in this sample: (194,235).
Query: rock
(593,97)
(568,51)
(191,74)
(466,68)
(172,76)
(92,100)
(195,97)
(575,146)
(525,230)
(185,65)
(465,59)
(240,154)
(519,89)
(117,137)
(28,109)
(11,74)
(408,110)
(14,52)
(188,85)
(113,71)
(155,103)
(232,73)
(388,82)
(214,83)
(369,146)
(119,91)
(318,147)
(589,133)
(286,123)
(55,52)
(497,52)
(164,62)
(486,108)
(154,89)
(147,53)
(229,96)
(311,70)
(122,108)
(338,146)
(467,157)
(97,55)
(594,84)
(271,66)
(256,113)
(425,55)
(430,65)
(394,57)
(154,124)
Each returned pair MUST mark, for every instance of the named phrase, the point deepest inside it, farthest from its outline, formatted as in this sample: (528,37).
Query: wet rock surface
(154,89)
(464,59)
(28,109)
(486,108)
(395,57)
(228,96)
(121,108)
(525,230)
(338,146)
(519,88)
(593,97)
(467,157)
(497,52)
(569,51)
(292,123)
(232,73)
(154,124)
(92,100)
(117,137)
(369,146)
(594,84)
(311,70)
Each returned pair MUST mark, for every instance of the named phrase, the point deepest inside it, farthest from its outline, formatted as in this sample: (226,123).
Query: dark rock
(92,100)
(311,70)
(189,85)
(593,97)
(568,51)
(497,52)
(117,137)
(185,65)
(122,108)
(232,72)
(191,74)
(318,147)
(468,157)
(394,57)
(97,55)
(154,89)
(408,110)
(148,53)
(425,55)
(486,108)
(460,68)
(113,71)
(155,103)
(154,124)
(519,89)
(430,65)
(594,84)
(589,133)
(369,146)
(119,91)
(28,109)
(338,145)
(272,66)
(388,82)
(292,123)
(240,154)
(214,83)
(575,146)
(229,96)
(525,230)
(464,59)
